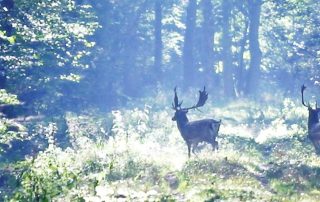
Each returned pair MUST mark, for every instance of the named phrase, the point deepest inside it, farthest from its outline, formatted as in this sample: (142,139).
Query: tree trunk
(158,46)
(132,75)
(207,54)
(188,59)
(240,73)
(228,69)
(254,47)
(2,75)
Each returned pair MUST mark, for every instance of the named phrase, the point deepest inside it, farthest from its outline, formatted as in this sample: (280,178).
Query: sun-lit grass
(138,154)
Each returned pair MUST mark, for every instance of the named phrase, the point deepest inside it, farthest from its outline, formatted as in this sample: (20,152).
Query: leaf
(2,34)
(12,39)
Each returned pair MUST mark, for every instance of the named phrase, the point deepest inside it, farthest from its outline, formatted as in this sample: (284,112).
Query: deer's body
(313,123)
(194,132)
(314,131)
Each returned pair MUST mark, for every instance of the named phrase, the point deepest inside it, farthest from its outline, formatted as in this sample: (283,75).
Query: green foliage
(10,39)
(63,56)
(138,154)
(289,40)
(48,51)
(8,98)
(43,183)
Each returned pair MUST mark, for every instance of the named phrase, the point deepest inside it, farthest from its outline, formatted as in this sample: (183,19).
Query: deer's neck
(182,122)
(312,120)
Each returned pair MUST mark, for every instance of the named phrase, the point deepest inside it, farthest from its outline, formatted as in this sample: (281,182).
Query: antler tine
(303,87)
(203,96)
(175,99)
(179,105)
(176,103)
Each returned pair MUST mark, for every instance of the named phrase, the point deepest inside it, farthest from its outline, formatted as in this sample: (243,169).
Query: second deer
(313,123)
(194,132)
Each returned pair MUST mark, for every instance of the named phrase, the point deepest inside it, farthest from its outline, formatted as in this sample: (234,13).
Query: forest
(94,96)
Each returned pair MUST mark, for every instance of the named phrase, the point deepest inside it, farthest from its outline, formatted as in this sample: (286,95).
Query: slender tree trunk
(207,55)
(158,46)
(132,76)
(228,69)
(188,59)
(2,75)
(7,27)
(240,75)
(254,47)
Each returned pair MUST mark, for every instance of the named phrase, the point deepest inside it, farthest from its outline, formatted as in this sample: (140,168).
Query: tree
(132,74)
(291,30)
(6,32)
(158,46)
(254,47)
(228,68)
(189,70)
(47,54)
(207,42)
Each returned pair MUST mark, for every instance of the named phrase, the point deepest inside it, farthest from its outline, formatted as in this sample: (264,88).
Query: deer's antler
(176,104)
(203,96)
(303,87)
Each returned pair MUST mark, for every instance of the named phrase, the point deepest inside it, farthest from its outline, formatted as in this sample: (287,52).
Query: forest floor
(138,154)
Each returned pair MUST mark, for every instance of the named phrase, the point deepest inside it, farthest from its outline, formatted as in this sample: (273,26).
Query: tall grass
(137,154)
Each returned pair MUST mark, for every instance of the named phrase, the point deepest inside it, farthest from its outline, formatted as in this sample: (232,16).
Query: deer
(194,132)
(313,122)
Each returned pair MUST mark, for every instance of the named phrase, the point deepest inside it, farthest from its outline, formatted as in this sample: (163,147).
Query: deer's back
(203,130)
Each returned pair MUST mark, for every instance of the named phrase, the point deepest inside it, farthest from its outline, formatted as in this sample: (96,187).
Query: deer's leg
(189,147)
(316,144)
(213,142)
(214,132)
(215,145)
(195,147)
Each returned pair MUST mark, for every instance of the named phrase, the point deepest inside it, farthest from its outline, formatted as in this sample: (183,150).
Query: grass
(137,154)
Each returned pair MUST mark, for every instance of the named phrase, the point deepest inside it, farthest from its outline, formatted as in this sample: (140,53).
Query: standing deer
(194,132)
(313,123)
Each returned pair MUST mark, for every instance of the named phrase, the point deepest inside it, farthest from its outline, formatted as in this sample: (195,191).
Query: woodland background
(86,90)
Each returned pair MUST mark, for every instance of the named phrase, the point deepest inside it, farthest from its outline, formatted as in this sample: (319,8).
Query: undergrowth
(137,154)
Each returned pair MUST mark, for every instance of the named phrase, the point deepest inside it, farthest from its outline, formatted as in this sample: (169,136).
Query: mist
(197,100)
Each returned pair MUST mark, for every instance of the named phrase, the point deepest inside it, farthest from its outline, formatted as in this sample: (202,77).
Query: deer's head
(181,113)
(313,112)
